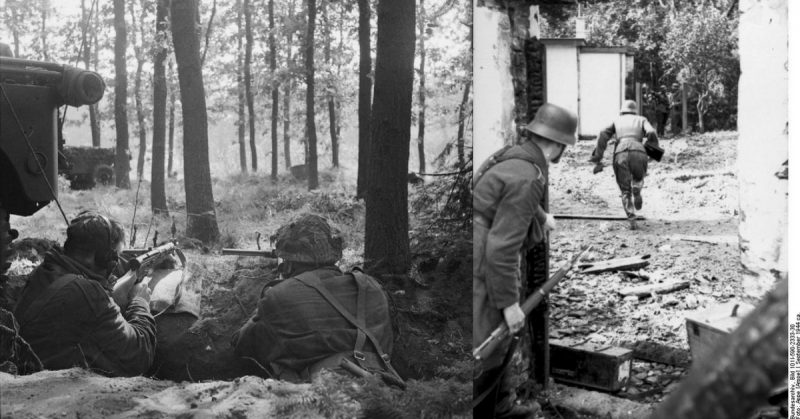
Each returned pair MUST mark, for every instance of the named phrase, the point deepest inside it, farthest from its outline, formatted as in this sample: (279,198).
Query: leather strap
(361,315)
(311,280)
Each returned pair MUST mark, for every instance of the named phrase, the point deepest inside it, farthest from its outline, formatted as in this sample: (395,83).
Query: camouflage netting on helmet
(308,239)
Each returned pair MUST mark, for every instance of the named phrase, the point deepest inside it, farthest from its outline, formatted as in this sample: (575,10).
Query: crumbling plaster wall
(763,142)
(494,113)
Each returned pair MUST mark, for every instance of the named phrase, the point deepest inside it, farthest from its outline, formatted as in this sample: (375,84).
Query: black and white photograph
(235,208)
(630,210)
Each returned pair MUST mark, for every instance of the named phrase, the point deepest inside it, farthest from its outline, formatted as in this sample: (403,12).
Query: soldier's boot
(627,205)
(637,194)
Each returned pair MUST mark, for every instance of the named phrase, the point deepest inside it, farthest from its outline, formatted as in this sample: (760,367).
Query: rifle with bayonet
(140,266)
(488,346)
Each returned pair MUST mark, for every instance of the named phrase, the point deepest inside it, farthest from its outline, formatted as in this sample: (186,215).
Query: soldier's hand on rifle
(141,290)
(550,223)
(515,317)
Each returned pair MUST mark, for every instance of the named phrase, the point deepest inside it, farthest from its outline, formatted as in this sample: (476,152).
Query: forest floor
(196,372)
(690,234)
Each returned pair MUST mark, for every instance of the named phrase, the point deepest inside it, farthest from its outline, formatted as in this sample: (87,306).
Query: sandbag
(167,294)
(296,327)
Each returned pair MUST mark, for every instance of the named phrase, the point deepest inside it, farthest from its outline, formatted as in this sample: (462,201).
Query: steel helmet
(308,239)
(629,106)
(555,124)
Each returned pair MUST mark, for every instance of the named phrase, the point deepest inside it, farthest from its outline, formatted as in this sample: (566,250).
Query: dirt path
(689,231)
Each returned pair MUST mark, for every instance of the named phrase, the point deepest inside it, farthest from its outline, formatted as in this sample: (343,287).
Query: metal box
(606,368)
(705,328)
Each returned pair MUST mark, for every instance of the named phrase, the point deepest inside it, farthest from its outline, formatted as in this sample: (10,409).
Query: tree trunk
(137,87)
(15,31)
(747,365)
(701,111)
(287,96)
(171,128)
(364,95)
(208,32)
(248,92)
(386,240)
(240,88)
(45,56)
(421,93)
(201,216)
(331,97)
(121,162)
(140,120)
(462,117)
(86,42)
(684,110)
(462,108)
(273,65)
(158,197)
(311,126)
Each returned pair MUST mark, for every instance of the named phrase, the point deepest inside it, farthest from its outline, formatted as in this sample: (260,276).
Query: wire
(33,152)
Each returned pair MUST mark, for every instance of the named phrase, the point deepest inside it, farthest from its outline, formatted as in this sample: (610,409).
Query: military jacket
(80,324)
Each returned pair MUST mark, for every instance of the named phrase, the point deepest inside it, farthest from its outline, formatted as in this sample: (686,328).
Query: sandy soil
(81,394)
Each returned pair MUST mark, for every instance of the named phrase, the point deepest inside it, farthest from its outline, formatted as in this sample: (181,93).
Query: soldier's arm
(602,143)
(650,133)
(516,210)
(127,342)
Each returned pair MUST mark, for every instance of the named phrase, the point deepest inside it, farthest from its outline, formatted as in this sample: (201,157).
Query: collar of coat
(60,261)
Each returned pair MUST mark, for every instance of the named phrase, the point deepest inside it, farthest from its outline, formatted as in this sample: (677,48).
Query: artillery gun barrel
(75,86)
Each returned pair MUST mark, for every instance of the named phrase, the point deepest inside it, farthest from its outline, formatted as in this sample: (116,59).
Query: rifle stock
(500,333)
(138,268)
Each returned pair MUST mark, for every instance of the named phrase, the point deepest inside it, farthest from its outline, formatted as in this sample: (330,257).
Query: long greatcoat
(507,202)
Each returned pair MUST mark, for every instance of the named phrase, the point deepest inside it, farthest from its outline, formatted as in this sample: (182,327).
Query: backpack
(315,319)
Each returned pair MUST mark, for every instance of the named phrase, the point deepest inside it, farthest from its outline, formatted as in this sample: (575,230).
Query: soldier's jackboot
(627,205)
(637,195)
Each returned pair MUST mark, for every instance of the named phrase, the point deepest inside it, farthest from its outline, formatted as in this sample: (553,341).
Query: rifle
(244,252)
(501,332)
(139,267)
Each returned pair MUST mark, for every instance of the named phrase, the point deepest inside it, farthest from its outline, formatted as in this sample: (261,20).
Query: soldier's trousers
(630,167)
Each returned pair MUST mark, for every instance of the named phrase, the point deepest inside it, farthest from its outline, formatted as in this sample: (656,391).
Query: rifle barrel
(501,332)
(244,252)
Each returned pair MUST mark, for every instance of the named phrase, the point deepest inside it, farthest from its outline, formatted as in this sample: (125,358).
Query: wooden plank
(633,262)
(658,353)
(717,239)
(593,217)
(659,288)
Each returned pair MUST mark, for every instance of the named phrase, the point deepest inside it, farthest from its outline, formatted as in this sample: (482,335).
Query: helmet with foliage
(308,239)
(555,124)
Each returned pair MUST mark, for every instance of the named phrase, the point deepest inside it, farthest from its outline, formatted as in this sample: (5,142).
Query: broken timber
(659,288)
(659,353)
(593,217)
(729,239)
(633,262)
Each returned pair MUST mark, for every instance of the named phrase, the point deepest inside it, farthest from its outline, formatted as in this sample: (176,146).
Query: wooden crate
(707,327)
(606,368)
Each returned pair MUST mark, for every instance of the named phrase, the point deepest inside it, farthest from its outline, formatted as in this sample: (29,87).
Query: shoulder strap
(312,280)
(491,161)
(36,307)
(501,156)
